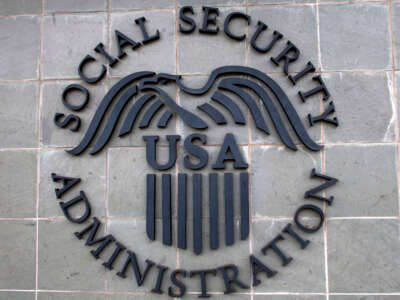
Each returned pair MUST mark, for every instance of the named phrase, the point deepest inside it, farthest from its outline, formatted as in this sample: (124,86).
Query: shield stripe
(197,214)
(244,205)
(150,205)
(213,198)
(229,225)
(166,209)
(182,209)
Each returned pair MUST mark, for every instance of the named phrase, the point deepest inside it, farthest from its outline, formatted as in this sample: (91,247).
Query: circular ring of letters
(151,99)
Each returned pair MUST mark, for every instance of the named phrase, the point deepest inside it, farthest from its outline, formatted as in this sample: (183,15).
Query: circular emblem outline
(148,83)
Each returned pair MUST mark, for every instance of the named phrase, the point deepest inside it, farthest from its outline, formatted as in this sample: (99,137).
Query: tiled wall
(353,44)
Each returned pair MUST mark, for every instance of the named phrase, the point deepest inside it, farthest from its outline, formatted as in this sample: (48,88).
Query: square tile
(127,182)
(17,295)
(50,134)
(132,234)
(58,31)
(191,103)
(18,184)
(290,297)
(397,83)
(20,53)
(91,170)
(157,56)
(69,296)
(257,2)
(367,180)
(135,296)
(65,263)
(298,24)
(364,107)
(210,2)
(136,4)
(396,32)
(20,7)
(200,53)
(279,179)
(234,296)
(17,255)
(19,115)
(356,297)
(237,254)
(311,106)
(354,36)
(362,256)
(51,6)
(306,272)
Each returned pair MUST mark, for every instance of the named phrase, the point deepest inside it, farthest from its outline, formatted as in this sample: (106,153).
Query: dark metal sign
(264,99)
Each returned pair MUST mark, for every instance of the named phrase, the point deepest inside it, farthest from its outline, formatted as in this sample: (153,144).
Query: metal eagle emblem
(147,87)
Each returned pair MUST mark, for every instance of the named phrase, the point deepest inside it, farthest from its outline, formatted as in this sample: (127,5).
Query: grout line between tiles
(39,100)
(107,159)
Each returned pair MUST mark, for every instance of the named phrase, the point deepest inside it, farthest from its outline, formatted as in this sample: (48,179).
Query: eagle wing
(154,98)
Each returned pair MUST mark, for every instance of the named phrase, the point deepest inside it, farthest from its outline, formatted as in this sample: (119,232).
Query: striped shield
(197,197)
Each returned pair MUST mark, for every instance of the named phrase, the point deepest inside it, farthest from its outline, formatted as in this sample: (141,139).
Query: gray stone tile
(306,272)
(290,297)
(20,52)
(132,234)
(354,37)
(191,102)
(58,31)
(237,254)
(201,53)
(51,6)
(362,256)
(255,2)
(363,107)
(278,188)
(17,255)
(137,296)
(349,2)
(396,32)
(127,185)
(18,183)
(157,56)
(69,296)
(397,82)
(50,134)
(137,4)
(311,106)
(151,296)
(19,115)
(367,180)
(212,157)
(297,23)
(91,170)
(365,297)
(17,295)
(135,137)
(210,2)
(20,7)
(234,296)
(65,263)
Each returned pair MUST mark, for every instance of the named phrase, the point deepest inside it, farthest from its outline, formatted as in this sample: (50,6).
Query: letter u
(151,151)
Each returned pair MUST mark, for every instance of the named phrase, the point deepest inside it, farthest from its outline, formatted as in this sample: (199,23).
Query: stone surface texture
(355,48)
